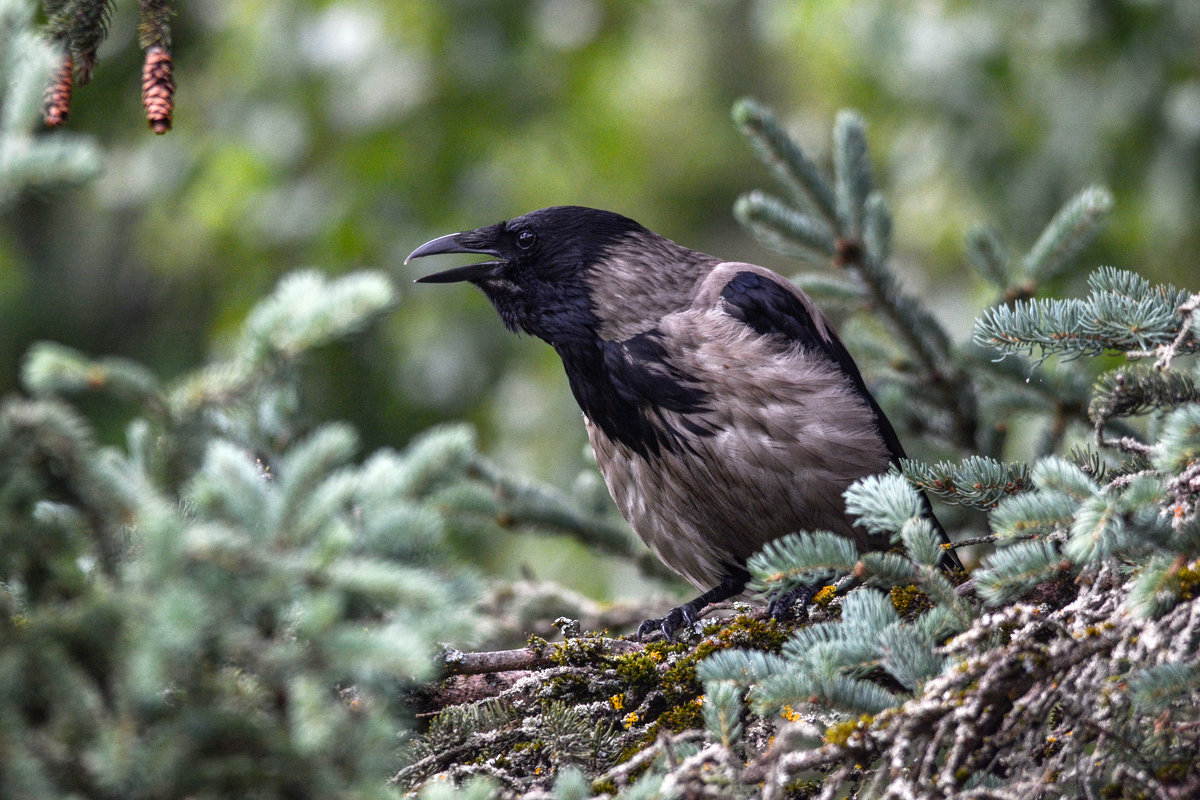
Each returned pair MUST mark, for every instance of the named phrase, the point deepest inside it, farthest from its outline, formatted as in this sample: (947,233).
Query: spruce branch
(1054,326)
(883,503)
(886,569)
(1072,228)
(32,72)
(851,173)
(987,255)
(1010,571)
(889,504)
(307,309)
(1055,474)
(784,229)
(516,502)
(1098,532)
(50,369)
(1126,310)
(906,653)
(1123,312)
(154,24)
(976,481)
(1037,513)
(799,559)
(86,27)
(922,544)
(1136,389)
(743,667)
(723,712)
(829,661)
(833,689)
(786,160)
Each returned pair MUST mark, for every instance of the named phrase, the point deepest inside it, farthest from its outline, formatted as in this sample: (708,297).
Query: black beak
(450,244)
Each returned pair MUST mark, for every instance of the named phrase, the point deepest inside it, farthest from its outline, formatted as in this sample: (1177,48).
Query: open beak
(450,244)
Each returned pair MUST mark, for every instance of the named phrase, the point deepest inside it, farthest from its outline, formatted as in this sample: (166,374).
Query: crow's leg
(686,613)
(782,603)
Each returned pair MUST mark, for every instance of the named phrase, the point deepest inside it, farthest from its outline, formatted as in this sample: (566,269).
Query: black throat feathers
(626,387)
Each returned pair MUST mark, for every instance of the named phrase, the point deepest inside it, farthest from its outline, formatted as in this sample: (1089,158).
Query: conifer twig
(1070,230)
(991,538)
(456,662)
(1126,444)
(1167,353)
(618,774)
(782,767)
(923,336)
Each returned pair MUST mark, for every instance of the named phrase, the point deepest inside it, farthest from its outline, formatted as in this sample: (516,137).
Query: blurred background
(341,135)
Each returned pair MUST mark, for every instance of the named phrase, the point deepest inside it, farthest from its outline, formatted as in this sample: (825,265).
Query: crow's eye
(526,239)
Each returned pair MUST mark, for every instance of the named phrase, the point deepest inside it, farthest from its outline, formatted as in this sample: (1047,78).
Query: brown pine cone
(158,89)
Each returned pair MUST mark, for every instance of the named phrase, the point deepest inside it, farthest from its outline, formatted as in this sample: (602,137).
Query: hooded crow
(723,409)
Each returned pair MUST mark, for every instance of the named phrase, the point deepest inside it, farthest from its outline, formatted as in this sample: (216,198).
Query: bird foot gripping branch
(723,409)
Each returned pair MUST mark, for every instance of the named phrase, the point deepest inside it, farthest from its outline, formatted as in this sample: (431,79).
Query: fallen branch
(456,662)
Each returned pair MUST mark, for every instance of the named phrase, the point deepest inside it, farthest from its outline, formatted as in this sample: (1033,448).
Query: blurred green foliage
(339,135)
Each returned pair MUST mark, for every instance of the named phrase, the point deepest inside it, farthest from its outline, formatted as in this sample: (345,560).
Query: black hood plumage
(593,284)
(537,277)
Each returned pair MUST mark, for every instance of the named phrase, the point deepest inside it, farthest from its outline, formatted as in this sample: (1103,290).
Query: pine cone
(58,94)
(158,89)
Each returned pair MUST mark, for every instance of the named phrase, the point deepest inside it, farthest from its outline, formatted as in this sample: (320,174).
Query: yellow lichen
(909,601)
(823,597)
(840,733)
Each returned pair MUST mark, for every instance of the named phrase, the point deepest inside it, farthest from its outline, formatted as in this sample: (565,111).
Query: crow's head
(568,274)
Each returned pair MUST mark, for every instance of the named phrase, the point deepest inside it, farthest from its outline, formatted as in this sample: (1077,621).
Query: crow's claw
(683,616)
(649,625)
(686,613)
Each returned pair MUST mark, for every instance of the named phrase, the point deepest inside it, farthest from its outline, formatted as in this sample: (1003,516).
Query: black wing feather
(624,388)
